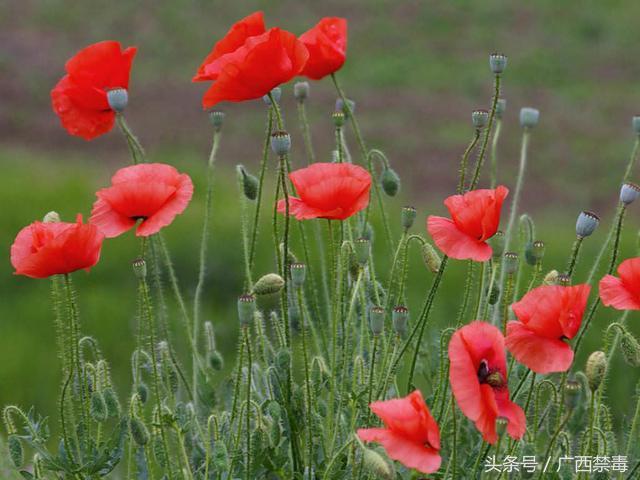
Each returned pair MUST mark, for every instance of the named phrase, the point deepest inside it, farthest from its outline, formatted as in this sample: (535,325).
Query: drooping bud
(349,107)
(112,402)
(301,91)
(494,294)
(551,278)
(376,465)
(431,258)
(563,280)
(501,107)
(276,93)
(139,268)
(268,284)
(586,224)
(400,319)
(283,359)
(572,390)
(280,143)
(338,119)
(376,319)
(215,360)
(497,244)
(497,62)
(534,252)
(407,217)
(629,192)
(216,117)
(390,182)
(480,118)
(246,309)
(250,183)
(510,263)
(118,98)
(630,349)
(501,425)
(51,217)
(529,117)
(98,407)
(595,369)
(635,123)
(362,248)
(16,452)
(143,392)
(298,274)
(139,431)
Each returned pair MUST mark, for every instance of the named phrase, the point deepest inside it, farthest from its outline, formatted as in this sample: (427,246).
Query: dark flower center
(490,376)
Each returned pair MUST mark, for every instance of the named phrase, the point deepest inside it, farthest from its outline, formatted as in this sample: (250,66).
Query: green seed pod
(338,119)
(400,319)
(250,183)
(281,143)
(390,182)
(407,217)
(118,98)
(346,108)
(630,349)
(301,91)
(143,392)
(586,224)
(563,280)
(15,450)
(112,402)
(362,248)
(376,319)
(98,407)
(298,274)
(480,118)
(139,268)
(595,369)
(51,217)
(268,284)
(551,278)
(139,431)
(431,258)
(501,425)
(377,465)
(572,390)
(246,309)
(529,117)
(497,244)
(494,295)
(215,360)
(497,63)
(216,118)
(534,252)
(510,263)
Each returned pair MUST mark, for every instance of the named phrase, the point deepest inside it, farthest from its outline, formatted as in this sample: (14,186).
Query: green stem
(483,148)
(574,255)
(307,381)
(248,432)
(494,153)
(306,132)
(465,159)
(135,147)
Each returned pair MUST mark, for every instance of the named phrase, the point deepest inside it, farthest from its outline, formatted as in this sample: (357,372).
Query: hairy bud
(595,369)
(390,182)
(139,431)
(431,258)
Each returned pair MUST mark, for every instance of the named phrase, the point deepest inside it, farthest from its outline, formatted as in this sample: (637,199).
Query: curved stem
(465,158)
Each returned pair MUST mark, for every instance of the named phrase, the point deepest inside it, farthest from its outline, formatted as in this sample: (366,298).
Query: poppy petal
(541,354)
(455,243)
(613,293)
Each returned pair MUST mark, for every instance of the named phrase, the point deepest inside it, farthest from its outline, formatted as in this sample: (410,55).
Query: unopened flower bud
(563,280)
(338,119)
(595,369)
(280,143)
(494,294)
(480,118)
(376,319)
(276,93)
(216,117)
(250,183)
(501,425)
(431,258)
(283,359)
(400,319)
(267,284)
(376,464)
(246,309)
(635,123)
(551,278)
(112,402)
(98,407)
(586,224)
(497,244)
(529,117)
(139,268)
(534,252)
(16,452)
(215,360)
(390,182)
(349,107)
(629,192)
(407,217)
(298,274)
(143,392)
(139,431)
(501,107)
(497,62)
(362,248)
(630,349)
(301,91)
(572,390)
(118,98)
(510,263)
(51,217)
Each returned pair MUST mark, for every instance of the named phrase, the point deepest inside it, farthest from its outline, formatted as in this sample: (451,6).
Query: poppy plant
(80,97)
(327,45)
(411,435)
(248,63)
(548,315)
(475,217)
(622,293)
(334,191)
(43,249)
(478,377)
(153,193)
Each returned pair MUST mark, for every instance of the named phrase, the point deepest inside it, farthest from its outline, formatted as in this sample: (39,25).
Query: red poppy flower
(80,97)
(44,249)
(622,293)
(478,377)
(254,68)
(475,217)
(327,45)
(152,192)
(249,26)
(411,435)
(328,190)
(548,316)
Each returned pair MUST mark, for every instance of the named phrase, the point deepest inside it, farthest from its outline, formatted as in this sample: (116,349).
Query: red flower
(244,71)
(80,97)
(548,315)
(475,217)
(44,249)
(327,45)
(478,377)
(249,26)
(622,293)
(328,190)
(152,192)
(411,435)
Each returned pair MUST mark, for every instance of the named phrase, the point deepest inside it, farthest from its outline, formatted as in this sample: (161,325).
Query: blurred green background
(416,70)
